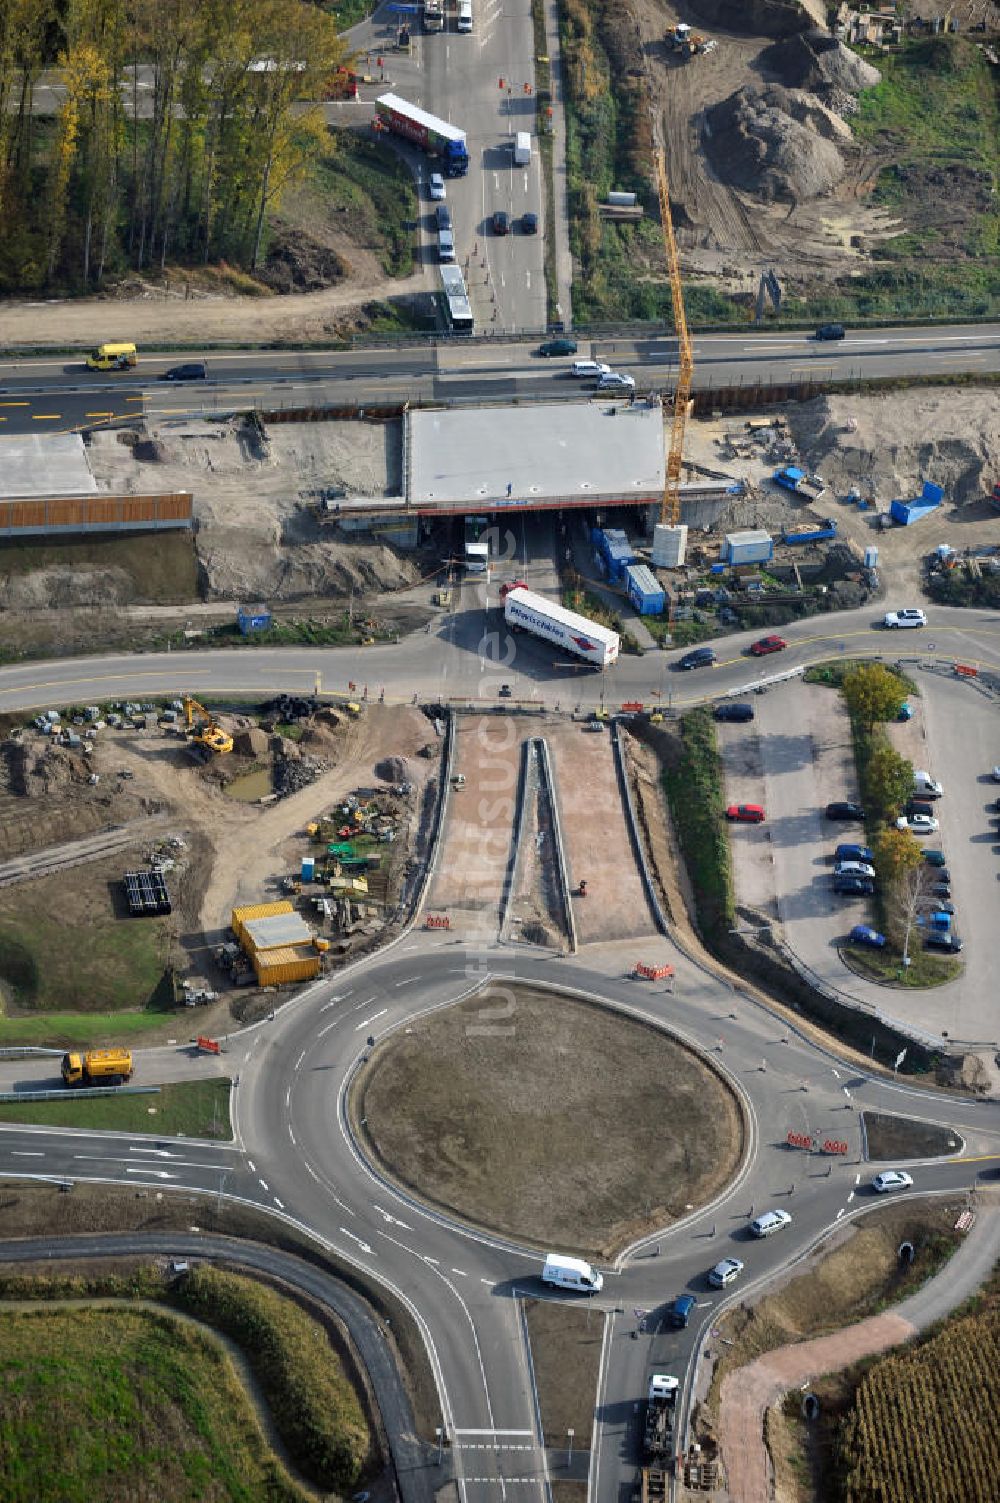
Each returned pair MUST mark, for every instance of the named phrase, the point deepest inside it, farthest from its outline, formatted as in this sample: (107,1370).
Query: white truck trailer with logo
(525,611)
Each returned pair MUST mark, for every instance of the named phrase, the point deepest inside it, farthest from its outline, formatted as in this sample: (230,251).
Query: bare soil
(473,860)
(906,1138)
(598,848)
(565,1339)
(475,1118)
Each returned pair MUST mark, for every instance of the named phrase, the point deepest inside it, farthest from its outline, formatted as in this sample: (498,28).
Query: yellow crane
(205,730)
(670,511)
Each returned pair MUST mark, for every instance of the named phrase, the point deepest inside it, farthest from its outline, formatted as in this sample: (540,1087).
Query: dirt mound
(37,772)
(393,770)
(775,143)
(251,742)
(816,61)
(66,585)
(297,263)
(762,18)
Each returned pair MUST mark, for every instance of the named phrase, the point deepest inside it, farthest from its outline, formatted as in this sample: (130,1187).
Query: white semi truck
(523,610)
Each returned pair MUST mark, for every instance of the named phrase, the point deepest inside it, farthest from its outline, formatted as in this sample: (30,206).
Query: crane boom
(671,508)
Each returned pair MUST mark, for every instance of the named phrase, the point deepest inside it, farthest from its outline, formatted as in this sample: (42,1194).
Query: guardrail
(78,1093)
(638,849)
(760,685)
(30,1051)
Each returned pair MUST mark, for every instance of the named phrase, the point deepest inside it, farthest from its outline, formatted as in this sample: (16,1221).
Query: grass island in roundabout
(548,1120)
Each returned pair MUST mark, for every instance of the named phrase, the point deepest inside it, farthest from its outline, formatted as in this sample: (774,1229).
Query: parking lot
(796,758)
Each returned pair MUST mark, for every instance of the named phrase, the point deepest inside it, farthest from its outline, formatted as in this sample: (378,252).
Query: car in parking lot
(501,222)
(557,347)
(698,657)
(747,814)
(855,869)
(924,786)
(725,1272)
(943,939)
(436,187)
(850,852)
(864,934)
(891,1179)
(589,369)
(934,857)
(616,381)
(765,645)
(917,824)
(769,1222)
(734,711)
(942,905)
(845,811)
(897,620)
(529,224)
(850,886)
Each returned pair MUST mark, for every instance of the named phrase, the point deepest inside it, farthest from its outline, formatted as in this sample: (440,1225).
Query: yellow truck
(98,1067)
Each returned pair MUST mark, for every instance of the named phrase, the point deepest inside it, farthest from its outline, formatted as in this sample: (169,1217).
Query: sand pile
(776,143)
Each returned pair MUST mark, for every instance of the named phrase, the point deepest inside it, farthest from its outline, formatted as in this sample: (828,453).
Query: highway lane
(41,394)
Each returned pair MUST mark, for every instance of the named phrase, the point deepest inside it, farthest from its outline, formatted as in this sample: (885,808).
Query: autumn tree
(896,854)
(873,694)
(887,779)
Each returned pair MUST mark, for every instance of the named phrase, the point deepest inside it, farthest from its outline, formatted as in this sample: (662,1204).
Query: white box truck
(464,22)
(525,611)
(522,149)
(571,1273)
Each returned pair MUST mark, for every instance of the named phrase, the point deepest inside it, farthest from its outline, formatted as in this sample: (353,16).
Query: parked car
(919,806)
(934,857)
(698,657)
(864,934)
(938,906)
(943,939)
(529,224)
(940,890)
(436,187)
(996,774)
(747,814)
(905,711)
(739,712)
(855,869)
(891,1179)
(769,1222)
(194,370)
(830,331)
(854,853)
(765,645)
(850,886)
(501,222)
(917,824)
(616,381)
(557,347)
(905,618)
(924,786)
(588,369)
(725,1272)
(845,811)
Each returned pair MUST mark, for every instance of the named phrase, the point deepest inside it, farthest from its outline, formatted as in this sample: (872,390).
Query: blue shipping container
(308,868)
(253,618)
(644,590)
(617,552)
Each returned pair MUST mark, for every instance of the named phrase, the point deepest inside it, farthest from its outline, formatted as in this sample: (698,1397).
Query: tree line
(172,131)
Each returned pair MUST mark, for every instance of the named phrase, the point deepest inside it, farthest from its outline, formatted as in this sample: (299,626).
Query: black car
(698,657)
(557,347)
(195,370)
(830,331)
(941,890)
(741,713)
(529,224)
(501,223)
(851,885)
(944,940)
(845,811)
(920,806)
(443,216)
(505,691)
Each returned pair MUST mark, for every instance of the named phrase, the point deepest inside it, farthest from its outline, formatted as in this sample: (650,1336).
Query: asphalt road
(53,394)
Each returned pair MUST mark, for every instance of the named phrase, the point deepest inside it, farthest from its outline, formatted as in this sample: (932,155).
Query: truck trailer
(436,137)
(523,609)
(791,478)
(98,1067)
(658,1435)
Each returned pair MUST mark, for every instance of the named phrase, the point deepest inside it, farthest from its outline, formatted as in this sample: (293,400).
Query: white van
(465,15)
(446,245)
(571,1273)
(924,786)
(522,149)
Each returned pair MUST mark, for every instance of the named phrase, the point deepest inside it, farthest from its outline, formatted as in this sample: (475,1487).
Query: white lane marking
(326,1030)
(264,1185)
(279,1204)
(26,1153)
(310,1170)
(408,982)
(391,1220)
(850,1197)
(301,1057)
(290,1133)
(435,1261)
(251,1166)
(461,1273)
(491,1432)
(159,1153)
(344,1207)
(366,1003)
(364,1246)
(839,1214)
(365,1021)
(153,1173)
(288,1097)
(487,1281)
(857,1179)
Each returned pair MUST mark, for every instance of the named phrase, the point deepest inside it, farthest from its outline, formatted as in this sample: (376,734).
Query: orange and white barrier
(651,972)
(437,921)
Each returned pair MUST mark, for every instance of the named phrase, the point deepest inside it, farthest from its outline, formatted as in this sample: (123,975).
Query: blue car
(905,711)
(864,934)
(854,853)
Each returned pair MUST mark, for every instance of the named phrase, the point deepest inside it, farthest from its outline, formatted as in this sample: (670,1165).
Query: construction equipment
(670,511)
(688,43)
(204,729)
(98,1067)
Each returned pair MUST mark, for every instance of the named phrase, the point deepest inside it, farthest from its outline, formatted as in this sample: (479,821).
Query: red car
(748,814)
(767,644)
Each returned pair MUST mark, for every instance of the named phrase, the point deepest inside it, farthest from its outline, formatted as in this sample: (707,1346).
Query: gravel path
(748,1393)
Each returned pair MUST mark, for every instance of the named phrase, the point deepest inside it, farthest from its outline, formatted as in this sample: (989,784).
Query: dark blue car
(854,853)
(864,934)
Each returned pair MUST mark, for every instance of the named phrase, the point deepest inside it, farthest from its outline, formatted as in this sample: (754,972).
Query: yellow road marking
(46,417)
(15,404)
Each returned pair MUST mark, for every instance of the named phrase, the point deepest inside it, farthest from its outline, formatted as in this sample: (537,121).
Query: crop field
(923,1428)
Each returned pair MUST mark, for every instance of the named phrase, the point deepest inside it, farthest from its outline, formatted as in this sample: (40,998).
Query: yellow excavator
(204,729)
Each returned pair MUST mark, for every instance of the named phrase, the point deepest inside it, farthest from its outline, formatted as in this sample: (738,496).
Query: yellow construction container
(242,916)
(279,967)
